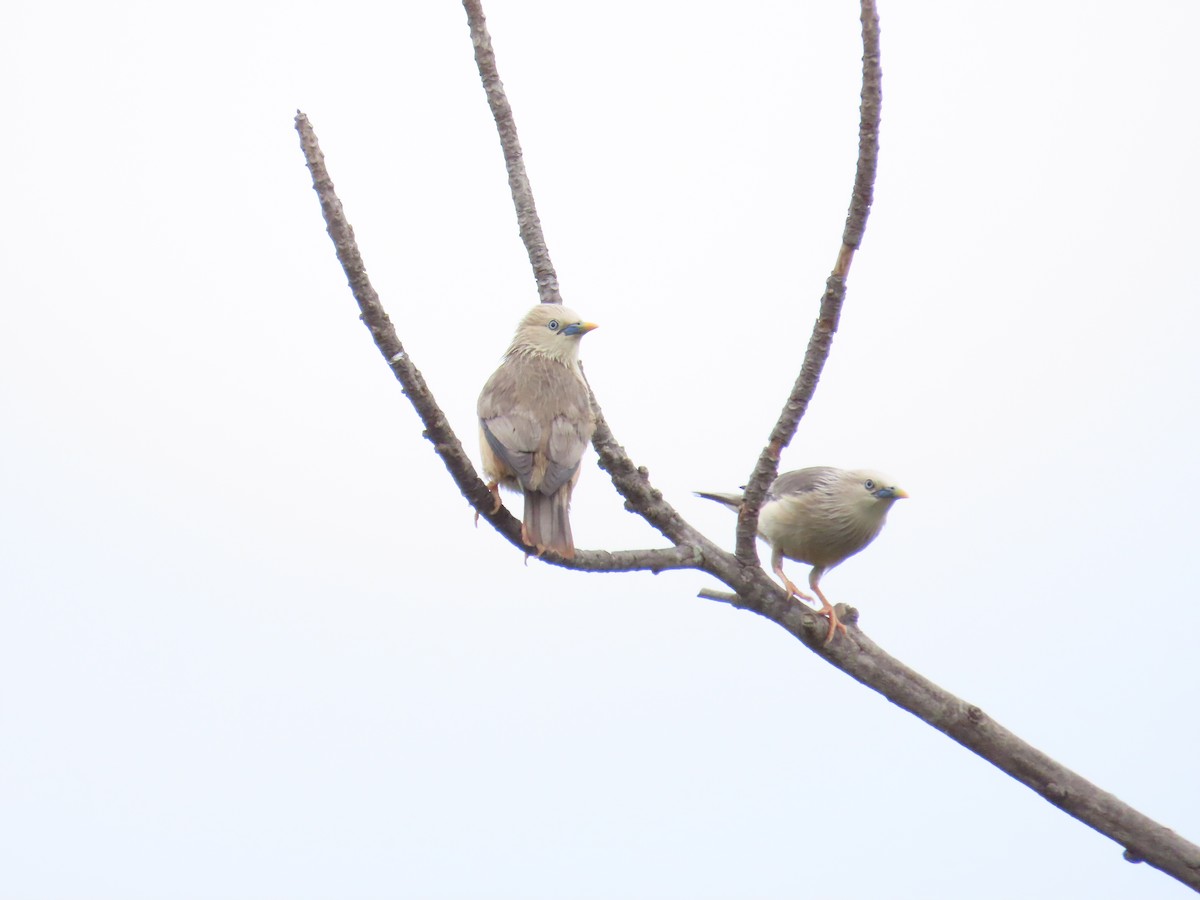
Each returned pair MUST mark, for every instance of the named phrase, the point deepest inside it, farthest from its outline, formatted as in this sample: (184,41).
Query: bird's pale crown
(550,330)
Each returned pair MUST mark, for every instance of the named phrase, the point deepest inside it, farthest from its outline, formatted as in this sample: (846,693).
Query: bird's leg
(494,487)
(826,609)
(814,578)
(777,566)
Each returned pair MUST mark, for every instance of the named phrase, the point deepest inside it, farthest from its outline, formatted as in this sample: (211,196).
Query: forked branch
(853,653)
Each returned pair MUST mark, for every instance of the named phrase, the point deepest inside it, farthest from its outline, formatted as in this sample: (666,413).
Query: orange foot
(830,613)
(814,577)
(834,623)
(494,487)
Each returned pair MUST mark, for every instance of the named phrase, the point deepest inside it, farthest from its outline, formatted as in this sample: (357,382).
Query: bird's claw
(834,624)
(494,487)
(794,591)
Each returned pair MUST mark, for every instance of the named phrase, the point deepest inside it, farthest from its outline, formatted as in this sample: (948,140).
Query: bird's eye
(869,484)
(552,324)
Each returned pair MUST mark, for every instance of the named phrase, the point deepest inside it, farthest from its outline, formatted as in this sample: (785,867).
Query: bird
(535,420)
(821,516)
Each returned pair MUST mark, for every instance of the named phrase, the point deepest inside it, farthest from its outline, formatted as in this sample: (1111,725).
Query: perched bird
(821,516)
(535,422)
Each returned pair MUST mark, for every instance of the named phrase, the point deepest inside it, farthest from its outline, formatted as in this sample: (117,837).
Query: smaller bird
(821,516)
(535,421)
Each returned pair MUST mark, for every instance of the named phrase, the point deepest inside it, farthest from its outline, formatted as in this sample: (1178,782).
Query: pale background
(251,645)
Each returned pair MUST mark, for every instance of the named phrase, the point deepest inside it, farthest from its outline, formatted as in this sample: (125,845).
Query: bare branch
(868,141)
(862,659)
(722,597)
(658,559)
(821,341)
(518,182)
(437,429)
(633,483)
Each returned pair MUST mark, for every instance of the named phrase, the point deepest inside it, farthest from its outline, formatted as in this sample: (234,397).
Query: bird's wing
(569,436)
(509,436)
(570,430)
(801,481)
(558,400)
(535,407)
(511,429)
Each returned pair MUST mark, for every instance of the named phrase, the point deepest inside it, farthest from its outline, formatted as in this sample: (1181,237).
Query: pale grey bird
(821,516)
(535,422)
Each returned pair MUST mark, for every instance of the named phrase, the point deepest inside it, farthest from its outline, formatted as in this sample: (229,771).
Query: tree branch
(860,658)
(633,483)
(821,341)
(518,182)
(855,654)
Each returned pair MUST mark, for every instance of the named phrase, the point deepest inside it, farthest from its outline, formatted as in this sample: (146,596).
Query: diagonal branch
(821,341)
(633,483)
(862,659)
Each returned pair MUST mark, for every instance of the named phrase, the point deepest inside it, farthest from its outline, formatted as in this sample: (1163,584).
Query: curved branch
(821,341)
(518,182)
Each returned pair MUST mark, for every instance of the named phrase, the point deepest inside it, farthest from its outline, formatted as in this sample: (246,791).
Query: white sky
(251,645)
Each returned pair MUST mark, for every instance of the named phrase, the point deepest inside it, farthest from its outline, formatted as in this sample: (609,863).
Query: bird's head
(873,493)
(551,330)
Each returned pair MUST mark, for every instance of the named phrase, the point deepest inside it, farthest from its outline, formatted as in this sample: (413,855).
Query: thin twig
(821,341)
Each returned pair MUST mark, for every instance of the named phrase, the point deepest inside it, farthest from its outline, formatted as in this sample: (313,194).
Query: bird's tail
(546,525)
(732,500)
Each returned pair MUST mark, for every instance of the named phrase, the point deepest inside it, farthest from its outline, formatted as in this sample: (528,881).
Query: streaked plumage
(821,516)
(535,421)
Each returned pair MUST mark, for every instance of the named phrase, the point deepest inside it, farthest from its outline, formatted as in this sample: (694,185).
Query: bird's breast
(813,528)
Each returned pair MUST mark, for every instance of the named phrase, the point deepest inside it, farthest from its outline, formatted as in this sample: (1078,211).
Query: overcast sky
(251,645)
